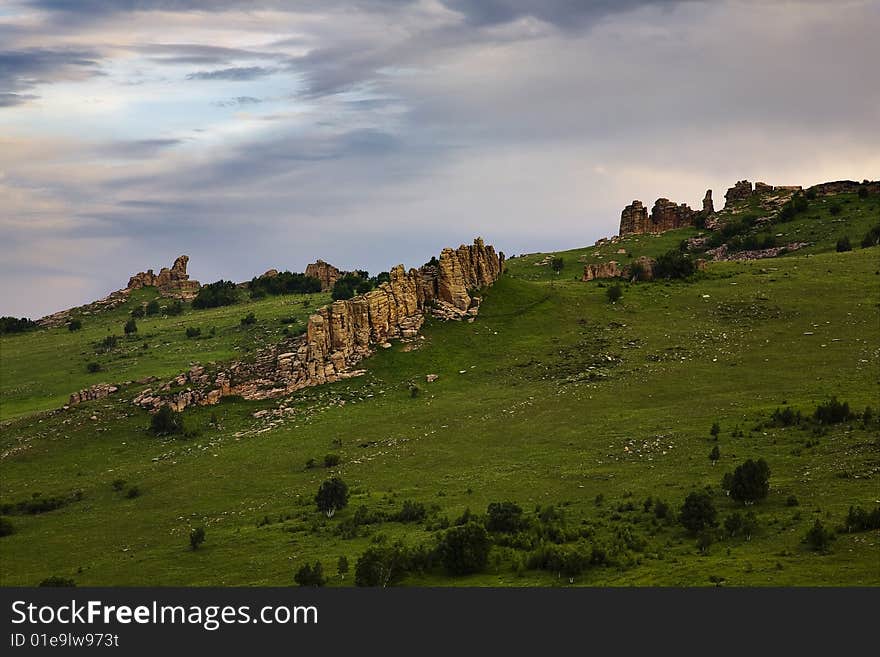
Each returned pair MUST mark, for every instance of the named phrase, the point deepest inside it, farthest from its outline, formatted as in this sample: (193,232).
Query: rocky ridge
(665,215)
(324,272)
(343,333)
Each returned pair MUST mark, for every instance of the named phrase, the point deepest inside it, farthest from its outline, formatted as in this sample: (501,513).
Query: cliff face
(170,282)
(324,272)
(768,195)
(340,335)
(665,215)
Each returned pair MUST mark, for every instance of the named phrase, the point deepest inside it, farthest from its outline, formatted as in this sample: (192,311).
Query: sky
(266,134)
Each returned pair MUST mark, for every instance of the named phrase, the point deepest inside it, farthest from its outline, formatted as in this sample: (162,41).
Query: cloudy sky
(258,134)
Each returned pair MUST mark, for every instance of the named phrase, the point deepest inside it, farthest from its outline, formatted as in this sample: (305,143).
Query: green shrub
(332,495)
(310,575)
(175,308)
(196,537)
(843,244)
(673,264)
(56,580)
(504,517)
(464,549)
(133,492)
(698,512)
(832,412)
(74,325)
(93,367)
(193,331)
(859,520)
(872,237)
(614,293)
(118,485)
(166,422)
(152,308)
(750,481)
(835,209)
(6,526)
(13,325)
(248,320)
(283,283)
(382,565)
(557,264)
(819,538)
(331,460)
(138,313)
(411,512)
(216,294)
(130,327)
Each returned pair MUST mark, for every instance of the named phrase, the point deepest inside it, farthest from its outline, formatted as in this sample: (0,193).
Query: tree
(504,517)
(332,495)
(152,308)
(75,325)
(465,549)
(614,293)
(698,512)
(556,264)
(166,421)
(130,327)
(751,481)
(819,538)
(714,455)
(715,430)
(310,575)
(381,565)
(342,567)
(196,537)
(843,244)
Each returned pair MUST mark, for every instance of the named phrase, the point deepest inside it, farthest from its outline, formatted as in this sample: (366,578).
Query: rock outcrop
(634,219)
(172,282)
(324,272)
(741,191)
(708,206)
(771,196)
(608,269)
(845,187)
(340,335)
(97,391)
(665,215)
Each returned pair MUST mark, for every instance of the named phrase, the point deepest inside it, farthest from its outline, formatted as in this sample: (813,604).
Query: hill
(593,419)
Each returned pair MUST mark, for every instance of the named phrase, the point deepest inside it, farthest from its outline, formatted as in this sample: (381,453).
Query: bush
(74,325)
(152,308)
(785,417)
(750,481)
(614,293)
(193,331)
(6,526)
(213,295)
(133,492)
(556,264)
(166,422)
(832,412)
(835,209)
(819,538)
(130,327)
(863,191)
(196,537)
(248,320)
(283,283)
(109,342)
(352,283)
(93,367)
(55,580)
(859,520)
(872,237)
(791,500)
(331,460)
(795,206)
(382,565)
(843,244)
(310,575)
(673,264)
(138,313)
(465,549)
(504,517)
(332,495)
(698,512)
(176,308)
(411,512)
(13,325)
(118,485)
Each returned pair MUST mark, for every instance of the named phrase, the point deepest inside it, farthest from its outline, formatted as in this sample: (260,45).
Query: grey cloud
(236,73)
(238,101)
(138,148)
(23,70)
(562,13)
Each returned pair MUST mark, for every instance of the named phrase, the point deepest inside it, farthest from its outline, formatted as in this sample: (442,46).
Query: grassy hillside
(552,397)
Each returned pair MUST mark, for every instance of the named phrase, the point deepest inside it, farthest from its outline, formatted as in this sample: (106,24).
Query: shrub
(504,517)
(133,492)
(166,422)
(311,463)
(795,206)
(93,367)
(411,512)
(175,308)
(6,526)
(465,549)
(698,512)
(835,209)
(130,327)
(382,565)
(108,343)
(342,567)
(285,282)
(213,295)
(791,500)
(843,244)
(614,293)
(193,331)
(332,495)
(118,485)
(872,237)
(673,264)
(248,320)
(832,412)
(863,192)
(556,264)
(819,538)
(14,325)
(74,325)
(138,313)
(55,580)
(196,537)
(331,460)
(661,509)
(715,454)
(152,308)
(785,417)
(310,575)
(859,520)
(750,481)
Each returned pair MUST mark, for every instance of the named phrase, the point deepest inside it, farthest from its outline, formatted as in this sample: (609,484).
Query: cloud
(236,73)
(24,70)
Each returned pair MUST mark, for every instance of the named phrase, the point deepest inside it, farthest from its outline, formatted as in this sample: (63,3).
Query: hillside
(590,416)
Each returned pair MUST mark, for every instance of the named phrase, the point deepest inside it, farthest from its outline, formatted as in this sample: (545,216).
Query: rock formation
(324,272)
(340,335)
(172,282)
(602,270)
(741,191)
(708,206)
(97,391)
(666,215)
(845,186)
(771,196)
(634,219)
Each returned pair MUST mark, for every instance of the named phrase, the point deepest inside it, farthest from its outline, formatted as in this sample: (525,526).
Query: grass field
(552,397)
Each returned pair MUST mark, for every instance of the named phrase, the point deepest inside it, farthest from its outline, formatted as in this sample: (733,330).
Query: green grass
(553,396)
(41,368)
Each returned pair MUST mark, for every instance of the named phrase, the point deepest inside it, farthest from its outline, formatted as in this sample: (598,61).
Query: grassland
(552,397)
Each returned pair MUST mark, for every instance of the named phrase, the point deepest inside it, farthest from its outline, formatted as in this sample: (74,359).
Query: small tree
(331,460)
(698,512)
(714,455)
(310,575)
(130,327)
(505,517)
(342,567)
(196,537)
(715,430)
(75,325)
(751,481)
(614,293)
(332,495)
(843,244)
(557,264)
(166,421)
(819,538)
(465,549)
